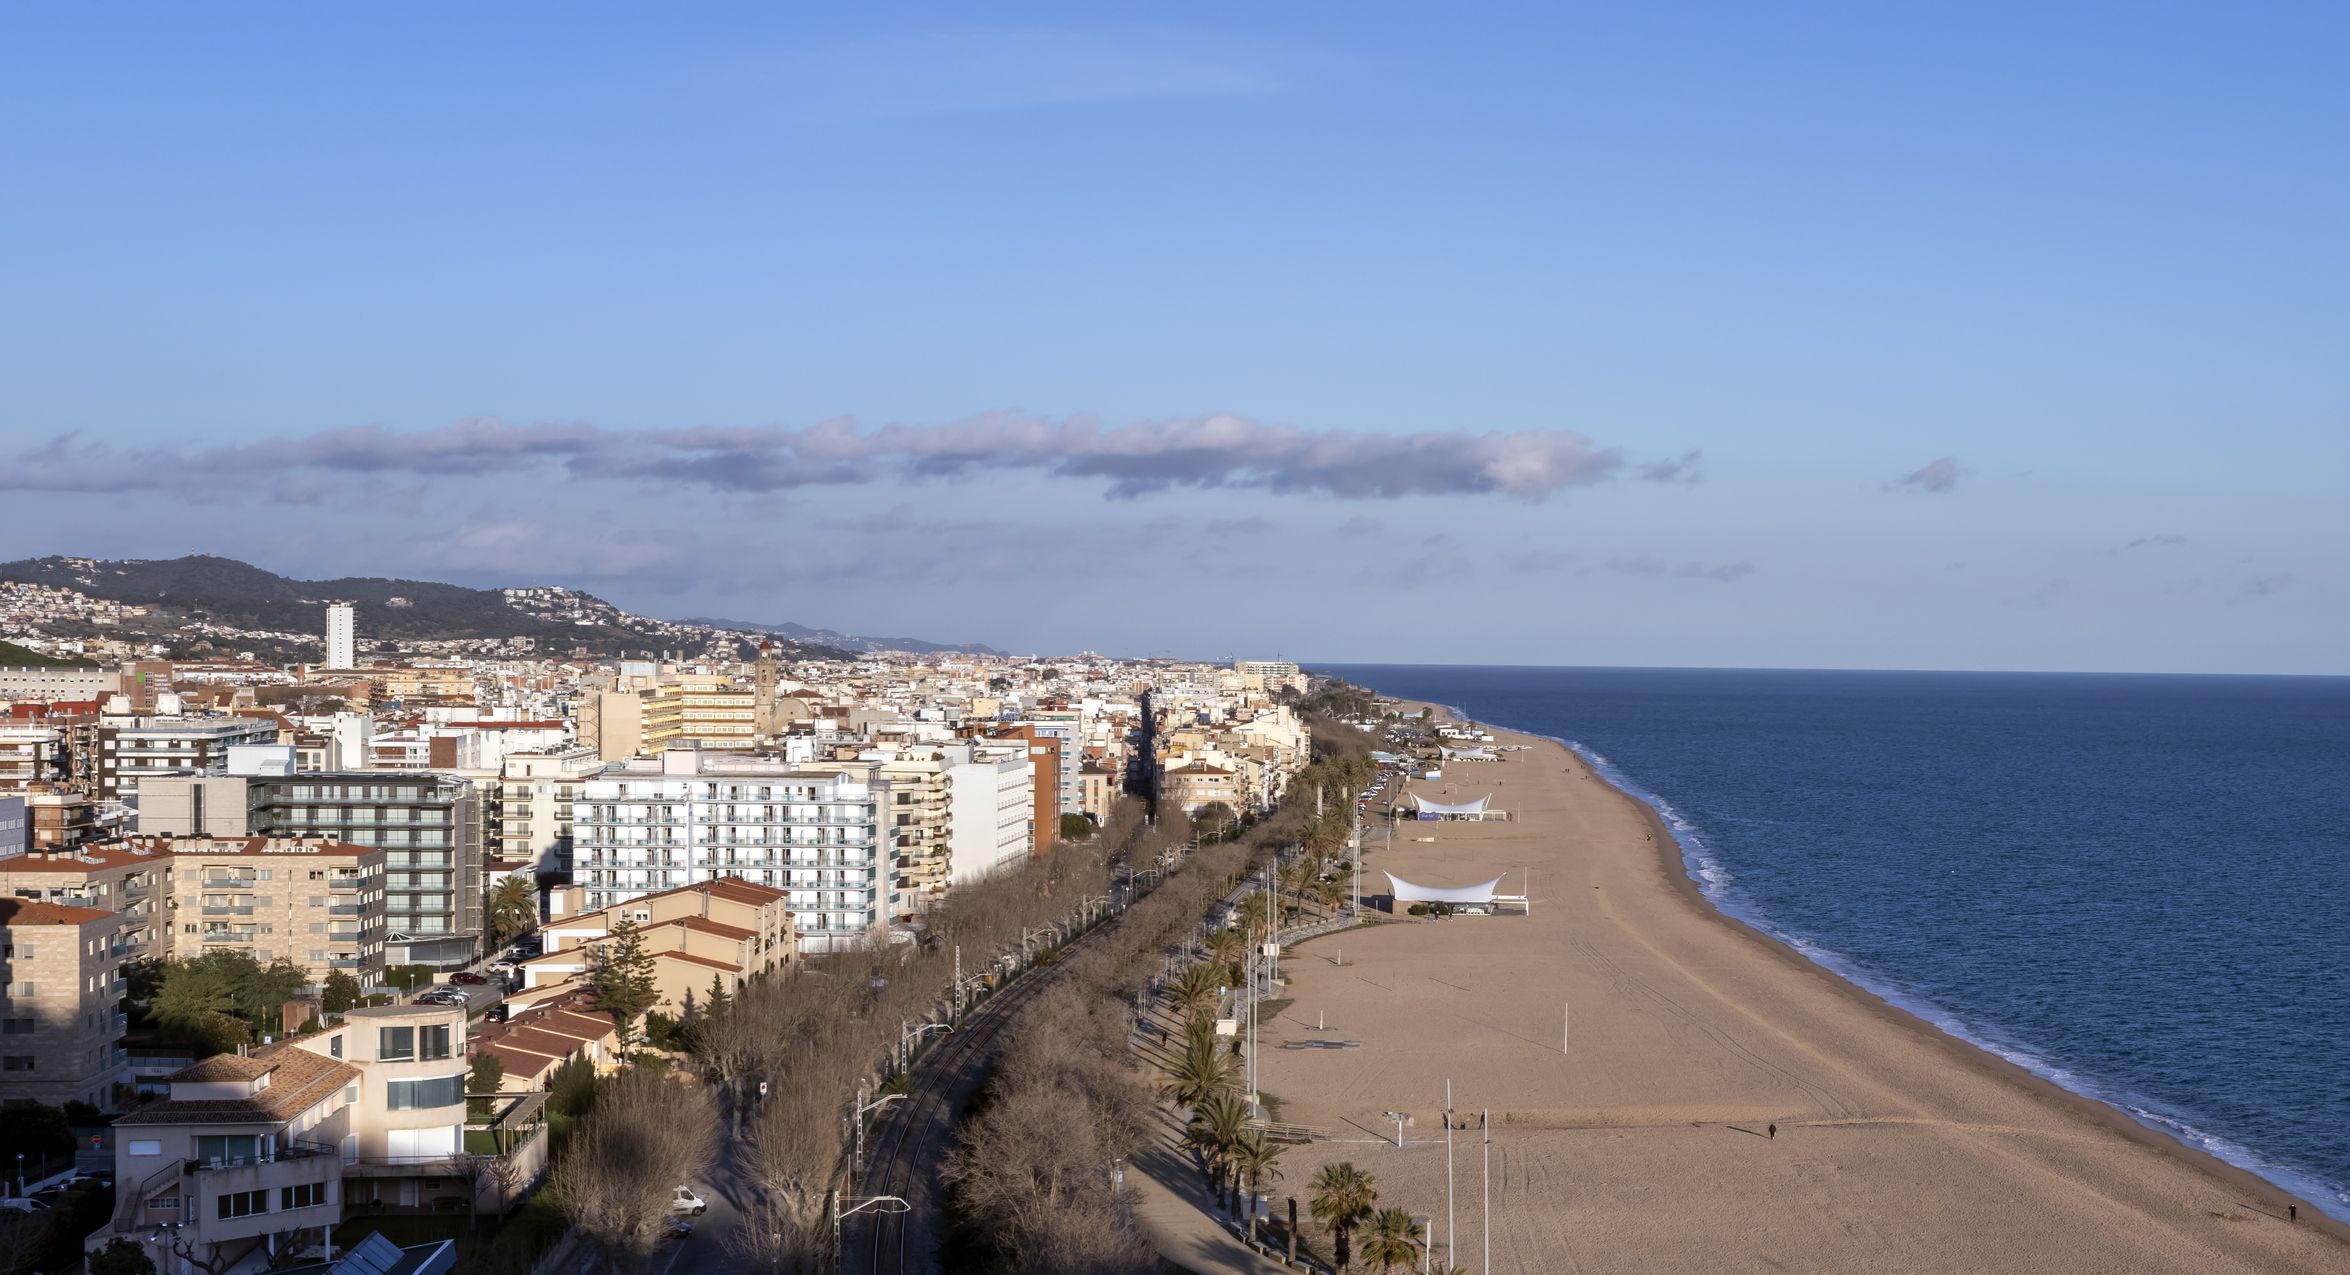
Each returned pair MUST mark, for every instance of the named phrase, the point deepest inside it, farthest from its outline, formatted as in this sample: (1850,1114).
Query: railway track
(907,1145)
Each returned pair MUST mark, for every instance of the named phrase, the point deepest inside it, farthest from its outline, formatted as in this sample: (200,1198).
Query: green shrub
(1418,909)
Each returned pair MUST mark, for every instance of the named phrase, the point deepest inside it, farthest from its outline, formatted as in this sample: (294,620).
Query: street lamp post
(910,1035)
(857,1125)
(857,1204)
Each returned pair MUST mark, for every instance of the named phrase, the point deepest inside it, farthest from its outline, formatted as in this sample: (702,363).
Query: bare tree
(647,1135)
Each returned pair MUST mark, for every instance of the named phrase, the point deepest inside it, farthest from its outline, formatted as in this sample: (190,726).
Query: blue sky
(2005,336)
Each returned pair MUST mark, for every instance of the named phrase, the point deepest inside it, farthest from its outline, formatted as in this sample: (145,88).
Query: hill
(849,641)
(204,595)
(14,656)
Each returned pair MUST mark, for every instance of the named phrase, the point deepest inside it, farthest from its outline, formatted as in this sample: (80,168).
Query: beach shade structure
(1411,892)
(1478,808)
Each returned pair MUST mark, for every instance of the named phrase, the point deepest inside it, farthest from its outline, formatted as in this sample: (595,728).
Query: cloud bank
(1937,476)
(1217,451)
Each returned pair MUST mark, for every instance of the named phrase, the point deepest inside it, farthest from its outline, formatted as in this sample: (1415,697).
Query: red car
(469,979)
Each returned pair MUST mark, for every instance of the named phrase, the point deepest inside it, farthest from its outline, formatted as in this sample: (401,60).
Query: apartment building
(535,794)
(120,877)
(130,749)
(16,827)
(342,635)
(1044,766)
(31,755)
(427,825)
(699,709)
(539,1039)
(688,817)
(254,1157)
(1100,785)
(317,903)
(46,682)
(61,988)
(915,822)
(726,931)
(991,809)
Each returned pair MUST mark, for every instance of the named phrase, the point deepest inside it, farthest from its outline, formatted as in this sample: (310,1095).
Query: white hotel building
(686,817)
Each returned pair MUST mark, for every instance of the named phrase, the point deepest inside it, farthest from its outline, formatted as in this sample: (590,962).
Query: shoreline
(1892,1143)
(1677,863)
(1673,863)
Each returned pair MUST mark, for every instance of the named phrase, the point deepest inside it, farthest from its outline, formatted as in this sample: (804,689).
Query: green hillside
(14,656)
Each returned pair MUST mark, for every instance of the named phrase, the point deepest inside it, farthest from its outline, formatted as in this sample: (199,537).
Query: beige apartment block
(61,993)
(915,821)
(725,929)
(132,880)
(317,903)
(252,1156)
(708,709)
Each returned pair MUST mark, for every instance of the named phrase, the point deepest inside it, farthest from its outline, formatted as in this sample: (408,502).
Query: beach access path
(1643,1140)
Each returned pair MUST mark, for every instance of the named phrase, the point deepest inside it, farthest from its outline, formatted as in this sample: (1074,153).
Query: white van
(687,1202)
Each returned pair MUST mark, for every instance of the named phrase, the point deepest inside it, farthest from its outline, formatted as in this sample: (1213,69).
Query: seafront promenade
(1719,1102)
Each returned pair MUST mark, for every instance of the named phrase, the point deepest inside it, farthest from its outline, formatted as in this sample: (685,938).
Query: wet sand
(1645,1144)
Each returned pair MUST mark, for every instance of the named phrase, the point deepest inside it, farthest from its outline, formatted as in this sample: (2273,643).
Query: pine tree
(623,976)
(719,999)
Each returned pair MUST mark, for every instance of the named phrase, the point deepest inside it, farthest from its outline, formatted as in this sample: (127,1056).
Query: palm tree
(513,907)
(1254,1157)
(1198,988)
(1202,1069)
(1217,1122)
(1343,1196)
(1331,893)
(1225,948)
(1394,1240)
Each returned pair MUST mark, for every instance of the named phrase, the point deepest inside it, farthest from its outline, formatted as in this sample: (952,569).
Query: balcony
(231,936)
(346,909)
(346,883)
(226,909)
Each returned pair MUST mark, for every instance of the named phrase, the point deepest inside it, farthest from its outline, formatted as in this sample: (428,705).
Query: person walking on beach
(1774,1132)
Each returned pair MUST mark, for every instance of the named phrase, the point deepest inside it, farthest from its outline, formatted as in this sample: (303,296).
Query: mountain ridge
(234,594)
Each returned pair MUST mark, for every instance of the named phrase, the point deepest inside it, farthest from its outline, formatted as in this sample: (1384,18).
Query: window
(16,1027)
(146,1146)
(433,1042)
(16,989)
(334,1045)
(396,1044)
(232,1148)
(243,1203)
(17,1062)
(301,1197)
(412,1095)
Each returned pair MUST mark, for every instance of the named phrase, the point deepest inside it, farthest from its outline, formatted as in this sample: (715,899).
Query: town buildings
(689,817)
(720,933)
(258,1155)
(342,642)
(61,989)
(132,748)
(317,903)
(429,829)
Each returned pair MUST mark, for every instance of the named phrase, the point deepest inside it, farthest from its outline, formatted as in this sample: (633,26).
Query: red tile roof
(21,912)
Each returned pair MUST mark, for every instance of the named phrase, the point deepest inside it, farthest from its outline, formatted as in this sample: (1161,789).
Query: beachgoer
(1774,1133)
(2293,1213)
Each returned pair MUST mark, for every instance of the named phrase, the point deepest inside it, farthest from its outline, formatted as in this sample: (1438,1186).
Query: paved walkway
(1178,1214)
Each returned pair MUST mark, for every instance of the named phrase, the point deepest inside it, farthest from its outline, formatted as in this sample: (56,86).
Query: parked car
(504,969)
(677,1229)
(467,977)
(685,1201)
(498,1013)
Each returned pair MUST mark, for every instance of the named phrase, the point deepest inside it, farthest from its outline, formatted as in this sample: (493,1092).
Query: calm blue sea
(2136,886)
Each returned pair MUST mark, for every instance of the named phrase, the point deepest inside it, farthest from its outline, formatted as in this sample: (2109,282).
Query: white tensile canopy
(1406,892)
(1474,809)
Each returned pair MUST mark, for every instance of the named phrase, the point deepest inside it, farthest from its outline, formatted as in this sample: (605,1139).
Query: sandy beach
(1645,1144)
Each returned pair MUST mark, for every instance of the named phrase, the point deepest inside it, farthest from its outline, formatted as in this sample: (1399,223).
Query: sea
(2135,886)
